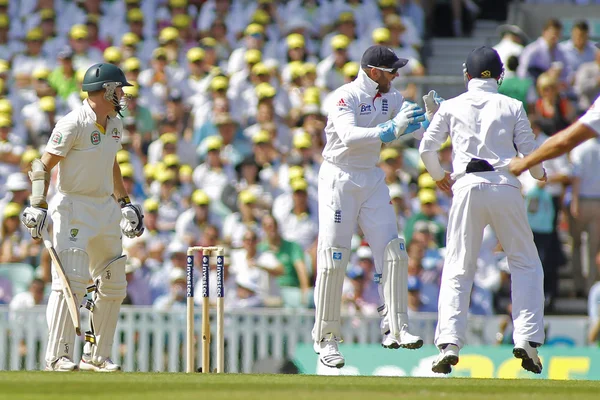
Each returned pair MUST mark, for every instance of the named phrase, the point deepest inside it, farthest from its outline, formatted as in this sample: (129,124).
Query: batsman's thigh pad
(332,262)
(395,280)
(76,264)
(111,289)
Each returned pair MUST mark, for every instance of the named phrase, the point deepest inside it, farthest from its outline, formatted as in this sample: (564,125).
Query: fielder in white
(90,205)
(487,129)
(366,113)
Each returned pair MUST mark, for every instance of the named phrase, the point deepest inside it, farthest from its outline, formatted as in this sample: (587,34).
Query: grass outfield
(155,386)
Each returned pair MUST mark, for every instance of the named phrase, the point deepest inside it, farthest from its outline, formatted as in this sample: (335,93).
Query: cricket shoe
(527,352)
(447,358)
(406,340)
(328,352)
(105,365)
(63,364)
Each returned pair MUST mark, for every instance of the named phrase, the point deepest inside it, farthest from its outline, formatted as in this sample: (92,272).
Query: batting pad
(332,263)
(111,290)
(395,281)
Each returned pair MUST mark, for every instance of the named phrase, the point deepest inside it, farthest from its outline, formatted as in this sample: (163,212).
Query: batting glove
(36,220)
(407,121)
(132,223)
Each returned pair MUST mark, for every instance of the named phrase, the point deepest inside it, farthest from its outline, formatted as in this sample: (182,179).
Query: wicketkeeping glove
(36,220)
(432,102)
(407,121)
(132,223)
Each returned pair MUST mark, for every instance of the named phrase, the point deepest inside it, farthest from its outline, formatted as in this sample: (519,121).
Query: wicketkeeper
(89,212)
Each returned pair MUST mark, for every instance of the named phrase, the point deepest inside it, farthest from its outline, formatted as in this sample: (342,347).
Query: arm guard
(39,179)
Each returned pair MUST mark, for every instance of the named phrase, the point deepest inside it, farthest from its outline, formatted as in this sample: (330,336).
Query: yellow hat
(5,121)
(195,54)
(34,34)
(149,171)
(312,95)
(178,3)
(264,91)
(112,55)
(92,19)
(346,16)
(387,3)
(47,13)
(171,160)
(79,75)
(427,196)
(213,143)
(208,42)
(260,69)
(29,155)
(151,205)
(254,29)
(133,90)
(296,69)
(3,66)
(389,153)
(310,68)
(126,170)
(261,17)
(48,103)
(5,106)
(181,21)
(394,21)
(79,31)
(4,21)
(123,157)
(185,170)
(40,73)
(299,184)
(381,35)
(130,39)
(219,83)
(12,210)
(252,56)
(131,64)
(340,42)
(425,181)
(295,41)
(159,52)
(247,197)
(135,15)
(200,198)
(168,138)
(350,69)
(165,175)
(167,34)
(261,136)
(302,141)
(295,172)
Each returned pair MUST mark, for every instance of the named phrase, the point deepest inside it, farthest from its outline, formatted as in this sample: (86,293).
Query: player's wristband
(124,201)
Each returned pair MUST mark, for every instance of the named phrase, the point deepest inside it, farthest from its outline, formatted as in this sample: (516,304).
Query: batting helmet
(99,74)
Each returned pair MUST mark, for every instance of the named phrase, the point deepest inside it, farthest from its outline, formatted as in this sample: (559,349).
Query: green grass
(163,386)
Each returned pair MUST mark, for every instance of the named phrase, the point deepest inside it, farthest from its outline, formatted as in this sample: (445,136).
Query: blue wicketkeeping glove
(432,102)
(407,121)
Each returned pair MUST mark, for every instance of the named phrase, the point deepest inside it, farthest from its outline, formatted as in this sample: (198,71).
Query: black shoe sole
(445,365)
(526,361)
(411,346)
(335,366)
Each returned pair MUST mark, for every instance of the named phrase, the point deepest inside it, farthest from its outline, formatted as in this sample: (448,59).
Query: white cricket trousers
(473,208)
(350,196)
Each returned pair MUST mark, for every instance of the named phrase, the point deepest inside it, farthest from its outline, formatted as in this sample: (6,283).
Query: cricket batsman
(366,113)
(487,129)
(89,212)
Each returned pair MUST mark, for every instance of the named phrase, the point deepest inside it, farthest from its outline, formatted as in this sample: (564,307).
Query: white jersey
(352,136)
(88,150)
(482,124)
(592,117)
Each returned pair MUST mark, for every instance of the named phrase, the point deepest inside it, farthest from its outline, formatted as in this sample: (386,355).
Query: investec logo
(189,276)
(205,272)
(220,276)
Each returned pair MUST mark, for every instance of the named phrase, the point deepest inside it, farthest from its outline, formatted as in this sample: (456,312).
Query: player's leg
(466,222)
(509,220)
(378,222)
(337,222)
(70,240)
(107,267)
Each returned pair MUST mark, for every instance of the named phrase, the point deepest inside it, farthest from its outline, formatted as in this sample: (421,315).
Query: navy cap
(381,56)
(484,62)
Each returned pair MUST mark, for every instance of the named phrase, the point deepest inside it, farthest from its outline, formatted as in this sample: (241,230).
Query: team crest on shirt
(73,234)
(365,109)
(57,138)
(384,106)
(116,134)
(95,138)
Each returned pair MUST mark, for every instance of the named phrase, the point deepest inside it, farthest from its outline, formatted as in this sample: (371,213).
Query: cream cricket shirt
(88,151)
(592,117)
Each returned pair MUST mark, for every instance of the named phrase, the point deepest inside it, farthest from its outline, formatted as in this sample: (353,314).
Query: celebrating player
(367,113)
(485,127)
(90,205)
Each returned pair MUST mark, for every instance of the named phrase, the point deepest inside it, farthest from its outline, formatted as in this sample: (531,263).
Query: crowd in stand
(224,133)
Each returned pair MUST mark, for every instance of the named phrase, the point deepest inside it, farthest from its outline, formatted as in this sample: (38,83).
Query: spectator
(175,299)
(511,44)
(554,111)
(14,245)
(429,212)
(578,50)
(238,223)
(192,222)
(518,88)
(31,298)
(299,224)
(587,82)
(329,75)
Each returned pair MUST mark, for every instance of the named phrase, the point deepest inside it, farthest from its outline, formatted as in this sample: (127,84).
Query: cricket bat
(67,291)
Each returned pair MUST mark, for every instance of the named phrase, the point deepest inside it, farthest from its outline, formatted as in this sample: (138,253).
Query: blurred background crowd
(224,133)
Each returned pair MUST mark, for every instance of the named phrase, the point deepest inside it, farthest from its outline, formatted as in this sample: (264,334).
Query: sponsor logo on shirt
(365,109)
(341,105)
(116,134)
(95,138)
(402,246)
(337,255)
(57,138)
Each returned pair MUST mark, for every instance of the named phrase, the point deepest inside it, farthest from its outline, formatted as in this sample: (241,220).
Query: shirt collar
(90,112)
(366,84)
(483,85)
